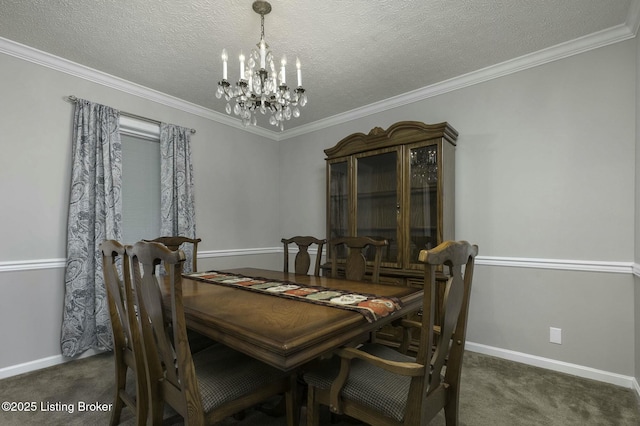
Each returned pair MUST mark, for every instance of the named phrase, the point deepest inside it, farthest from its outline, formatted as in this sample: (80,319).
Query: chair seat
(225,374)
(368,385)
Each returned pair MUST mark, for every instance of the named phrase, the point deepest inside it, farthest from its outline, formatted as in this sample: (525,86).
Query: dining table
(284,332)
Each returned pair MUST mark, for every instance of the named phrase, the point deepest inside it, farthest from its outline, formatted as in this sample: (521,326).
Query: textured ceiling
(353,53)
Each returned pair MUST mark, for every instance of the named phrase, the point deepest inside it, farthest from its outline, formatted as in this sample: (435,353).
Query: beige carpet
(494,392)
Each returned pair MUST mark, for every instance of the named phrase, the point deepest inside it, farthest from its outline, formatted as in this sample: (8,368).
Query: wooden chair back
(456,259)
(127,344)
(170,368)
(303,260)
(175,243)
(356,262)
(375,390)
(226,382)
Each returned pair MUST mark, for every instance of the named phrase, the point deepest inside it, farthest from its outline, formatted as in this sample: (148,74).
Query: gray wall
(545,173)
(236,196)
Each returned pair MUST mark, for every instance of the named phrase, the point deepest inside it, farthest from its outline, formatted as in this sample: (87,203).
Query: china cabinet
(396,184)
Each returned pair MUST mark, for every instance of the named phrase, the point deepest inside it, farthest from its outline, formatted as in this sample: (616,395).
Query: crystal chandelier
(258,88)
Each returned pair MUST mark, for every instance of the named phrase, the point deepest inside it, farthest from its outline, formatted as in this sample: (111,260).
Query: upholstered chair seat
(368,385)
(225,375)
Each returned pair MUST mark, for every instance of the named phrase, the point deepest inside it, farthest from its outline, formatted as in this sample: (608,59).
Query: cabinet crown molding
(400,133)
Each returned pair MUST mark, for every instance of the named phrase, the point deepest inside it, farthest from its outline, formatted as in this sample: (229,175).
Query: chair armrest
(402,368)
(411,369)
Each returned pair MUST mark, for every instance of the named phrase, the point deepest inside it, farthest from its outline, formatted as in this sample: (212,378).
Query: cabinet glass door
(338,213)
(377,201)
(423,200)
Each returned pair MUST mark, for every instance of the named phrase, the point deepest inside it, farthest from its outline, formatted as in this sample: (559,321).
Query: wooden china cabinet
(396,184)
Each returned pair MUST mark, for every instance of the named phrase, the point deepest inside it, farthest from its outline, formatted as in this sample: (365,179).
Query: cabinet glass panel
(338,200)
(423,212)
(377,201)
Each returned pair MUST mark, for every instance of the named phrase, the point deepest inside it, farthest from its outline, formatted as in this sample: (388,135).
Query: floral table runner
(370,306)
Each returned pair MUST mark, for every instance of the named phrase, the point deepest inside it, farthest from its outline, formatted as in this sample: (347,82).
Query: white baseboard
(555,365)
(38,364)
(533,360)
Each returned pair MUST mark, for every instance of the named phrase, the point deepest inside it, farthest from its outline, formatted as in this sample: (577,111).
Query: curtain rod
(72,98)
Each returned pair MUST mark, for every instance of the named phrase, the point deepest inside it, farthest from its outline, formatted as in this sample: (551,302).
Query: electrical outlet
(555,335)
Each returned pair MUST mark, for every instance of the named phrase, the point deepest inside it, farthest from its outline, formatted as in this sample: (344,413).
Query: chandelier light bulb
(241,66)
(224,64)
(283,74)
(263,53)
(257,89)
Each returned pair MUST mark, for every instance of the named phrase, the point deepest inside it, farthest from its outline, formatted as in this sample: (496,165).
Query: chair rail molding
(563,264)
(31,265)
(513,262)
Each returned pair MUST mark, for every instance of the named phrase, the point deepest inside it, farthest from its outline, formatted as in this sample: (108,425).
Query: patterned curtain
(95,214)
(177,206)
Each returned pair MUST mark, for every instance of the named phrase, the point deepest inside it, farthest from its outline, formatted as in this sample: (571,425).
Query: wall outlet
(555,335)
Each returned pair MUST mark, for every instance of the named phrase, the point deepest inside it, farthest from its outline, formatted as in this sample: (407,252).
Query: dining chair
(381,386)
(173,243)
(197,341)
(356,263)
(302,260)
(127,345)
(209,385)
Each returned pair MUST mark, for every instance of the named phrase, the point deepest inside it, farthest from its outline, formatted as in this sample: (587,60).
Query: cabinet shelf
(427,188)
(373,232)
(378,194)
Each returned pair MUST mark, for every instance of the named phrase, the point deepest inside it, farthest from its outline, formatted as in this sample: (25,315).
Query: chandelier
(258,90)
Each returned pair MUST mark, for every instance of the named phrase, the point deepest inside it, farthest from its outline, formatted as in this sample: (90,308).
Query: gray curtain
(178,216)
(95,214)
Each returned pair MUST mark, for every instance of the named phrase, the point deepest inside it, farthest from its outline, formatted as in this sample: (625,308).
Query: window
(140,180)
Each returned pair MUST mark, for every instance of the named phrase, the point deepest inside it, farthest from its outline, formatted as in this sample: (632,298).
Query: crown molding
(633,17)
(573,47)
(56,63)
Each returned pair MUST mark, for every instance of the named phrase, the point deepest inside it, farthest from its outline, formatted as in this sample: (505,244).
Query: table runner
(370,306)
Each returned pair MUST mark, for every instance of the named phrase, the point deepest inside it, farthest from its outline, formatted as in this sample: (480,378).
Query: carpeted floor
(494,392)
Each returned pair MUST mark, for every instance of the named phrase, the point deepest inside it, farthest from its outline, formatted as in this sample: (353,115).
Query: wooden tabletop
(282,332)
